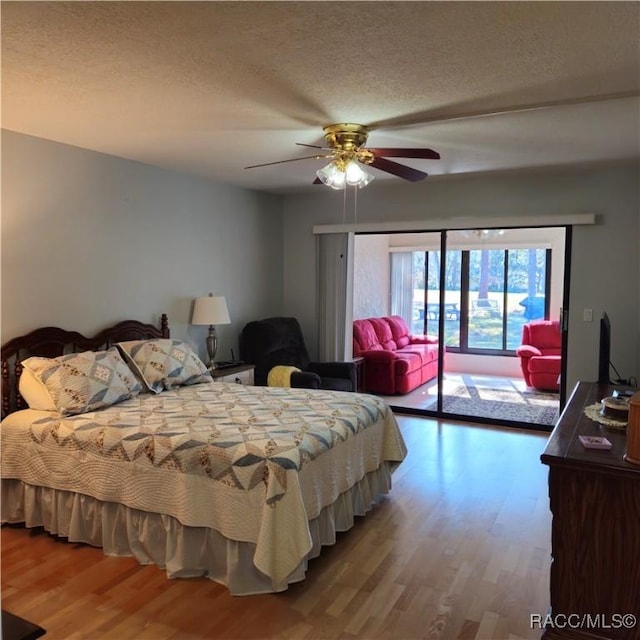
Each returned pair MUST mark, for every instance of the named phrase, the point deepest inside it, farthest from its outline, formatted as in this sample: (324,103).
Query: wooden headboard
(50,342)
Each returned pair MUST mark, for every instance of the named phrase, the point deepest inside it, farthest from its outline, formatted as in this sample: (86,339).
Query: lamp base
(212,347)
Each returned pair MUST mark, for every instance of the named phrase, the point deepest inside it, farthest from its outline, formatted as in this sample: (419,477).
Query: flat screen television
(604,349)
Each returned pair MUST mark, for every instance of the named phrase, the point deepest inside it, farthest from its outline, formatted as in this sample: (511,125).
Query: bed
(240,484)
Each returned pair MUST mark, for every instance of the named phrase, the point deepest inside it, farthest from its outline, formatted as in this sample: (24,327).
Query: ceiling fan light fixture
(332,176)
(338,174)
(356,175)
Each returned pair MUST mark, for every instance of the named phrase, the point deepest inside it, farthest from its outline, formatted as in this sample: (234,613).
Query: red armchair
(540,354)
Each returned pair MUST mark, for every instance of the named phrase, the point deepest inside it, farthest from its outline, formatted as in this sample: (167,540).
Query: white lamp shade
(210,310)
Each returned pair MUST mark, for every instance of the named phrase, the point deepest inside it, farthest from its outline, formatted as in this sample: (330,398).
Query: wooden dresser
(595,538)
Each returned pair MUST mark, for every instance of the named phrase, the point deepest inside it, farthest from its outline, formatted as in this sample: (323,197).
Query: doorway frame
(443,225)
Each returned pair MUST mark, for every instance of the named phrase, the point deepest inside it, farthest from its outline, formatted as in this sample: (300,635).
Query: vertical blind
(402,285)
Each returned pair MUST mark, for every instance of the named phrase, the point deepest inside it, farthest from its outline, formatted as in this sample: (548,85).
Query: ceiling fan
(346,151)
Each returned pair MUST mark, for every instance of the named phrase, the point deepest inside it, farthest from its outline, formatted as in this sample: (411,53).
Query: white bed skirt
(184,552)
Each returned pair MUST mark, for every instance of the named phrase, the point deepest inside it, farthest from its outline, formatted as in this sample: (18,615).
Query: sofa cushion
(399,331)
(544,334)
(383,331)
(427,352)
(407,362)
(545,364)
(364,337)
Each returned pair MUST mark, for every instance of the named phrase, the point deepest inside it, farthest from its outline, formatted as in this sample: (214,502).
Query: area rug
(528,406)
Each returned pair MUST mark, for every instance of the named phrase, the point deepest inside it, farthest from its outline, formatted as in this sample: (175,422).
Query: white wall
(605,267)
(371,274)
(89,239)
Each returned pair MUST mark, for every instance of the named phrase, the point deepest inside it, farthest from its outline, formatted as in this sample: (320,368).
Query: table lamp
(211,310)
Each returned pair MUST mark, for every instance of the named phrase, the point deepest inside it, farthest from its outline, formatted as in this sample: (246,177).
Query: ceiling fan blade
(266,164)
(466,112)
(400,170)
(427,154)
(311,146)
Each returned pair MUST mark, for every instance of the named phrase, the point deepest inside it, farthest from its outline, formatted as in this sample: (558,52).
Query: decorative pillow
(164,363)
(79,382)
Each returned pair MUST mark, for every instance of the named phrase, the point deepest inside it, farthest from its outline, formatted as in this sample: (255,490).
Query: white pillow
(80,382)
(34,392)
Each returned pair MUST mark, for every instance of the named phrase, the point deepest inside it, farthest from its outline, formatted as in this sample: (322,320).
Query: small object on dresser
(622,393)
(616,408)
(225,364)
(594,442)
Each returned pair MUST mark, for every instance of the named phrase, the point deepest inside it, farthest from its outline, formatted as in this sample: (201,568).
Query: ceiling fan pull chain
(355,208)
(344,206)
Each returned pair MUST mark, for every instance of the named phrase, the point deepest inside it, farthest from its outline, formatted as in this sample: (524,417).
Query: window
(489,294)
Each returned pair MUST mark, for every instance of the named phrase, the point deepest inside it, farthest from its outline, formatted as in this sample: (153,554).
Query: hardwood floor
(459,550)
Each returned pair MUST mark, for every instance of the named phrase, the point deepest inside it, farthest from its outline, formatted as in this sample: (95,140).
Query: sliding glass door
(474,290)
(489,295)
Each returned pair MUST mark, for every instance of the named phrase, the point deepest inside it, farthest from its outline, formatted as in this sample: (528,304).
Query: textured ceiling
(211,87)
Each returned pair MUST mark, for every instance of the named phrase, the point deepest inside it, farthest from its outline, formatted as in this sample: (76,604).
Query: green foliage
(517,261)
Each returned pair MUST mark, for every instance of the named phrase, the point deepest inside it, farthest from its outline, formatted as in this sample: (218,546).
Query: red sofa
(394,360)
(540,354)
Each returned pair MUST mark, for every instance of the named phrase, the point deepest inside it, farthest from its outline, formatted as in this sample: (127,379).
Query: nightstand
(240,374)
(359,362)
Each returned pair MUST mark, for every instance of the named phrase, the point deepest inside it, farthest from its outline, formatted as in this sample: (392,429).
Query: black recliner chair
(278,341)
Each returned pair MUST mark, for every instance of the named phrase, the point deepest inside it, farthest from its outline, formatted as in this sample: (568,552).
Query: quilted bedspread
(255,463)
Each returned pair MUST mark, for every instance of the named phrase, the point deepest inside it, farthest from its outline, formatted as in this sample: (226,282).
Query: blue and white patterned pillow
(164,363)
(86,381)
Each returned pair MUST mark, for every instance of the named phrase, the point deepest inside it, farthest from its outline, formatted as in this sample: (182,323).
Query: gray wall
(89,239)
(605,269)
